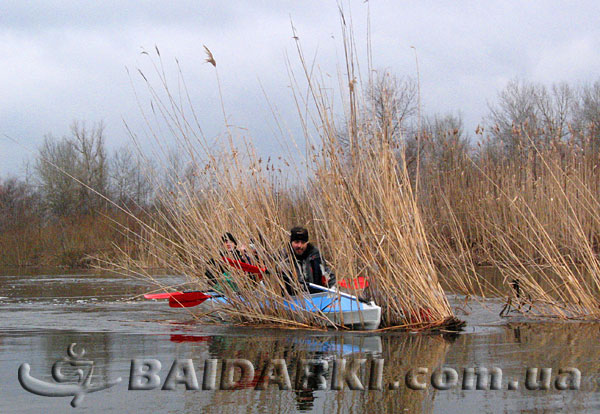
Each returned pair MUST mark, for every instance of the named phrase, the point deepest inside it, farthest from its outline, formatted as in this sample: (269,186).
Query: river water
(126,337)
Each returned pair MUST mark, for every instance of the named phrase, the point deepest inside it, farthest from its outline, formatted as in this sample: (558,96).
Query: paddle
(160,295)
(244,266)
(181,299)
(359,283)
(187,299)
(193,298)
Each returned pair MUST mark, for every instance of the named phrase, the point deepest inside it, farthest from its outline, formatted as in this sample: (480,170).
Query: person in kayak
(309,267)
(231,250)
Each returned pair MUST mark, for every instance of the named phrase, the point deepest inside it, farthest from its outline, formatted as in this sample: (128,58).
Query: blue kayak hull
(339,310)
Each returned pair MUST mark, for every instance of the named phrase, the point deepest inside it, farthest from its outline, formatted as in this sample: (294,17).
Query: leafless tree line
(524,115)
(75,175)
(71,173)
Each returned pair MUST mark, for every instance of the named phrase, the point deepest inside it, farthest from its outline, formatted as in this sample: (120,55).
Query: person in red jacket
(230,250)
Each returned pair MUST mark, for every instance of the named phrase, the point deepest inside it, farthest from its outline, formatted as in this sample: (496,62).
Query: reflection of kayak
(340,345)
(322,344)
(340,309)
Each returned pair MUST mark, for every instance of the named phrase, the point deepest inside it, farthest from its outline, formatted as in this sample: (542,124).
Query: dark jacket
(310,268)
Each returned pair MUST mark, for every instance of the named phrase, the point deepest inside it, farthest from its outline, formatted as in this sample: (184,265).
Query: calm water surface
(41,315)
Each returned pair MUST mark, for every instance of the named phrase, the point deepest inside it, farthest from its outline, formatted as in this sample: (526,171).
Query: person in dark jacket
(308,264)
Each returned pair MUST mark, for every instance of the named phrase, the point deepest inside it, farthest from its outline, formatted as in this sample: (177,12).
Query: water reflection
(36,327)
(400,352)
(112,354)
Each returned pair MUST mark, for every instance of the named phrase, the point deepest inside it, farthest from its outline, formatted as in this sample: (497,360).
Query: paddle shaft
(255,269)
(337,292)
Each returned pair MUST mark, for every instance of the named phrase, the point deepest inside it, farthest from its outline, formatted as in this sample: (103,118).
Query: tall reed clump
(375,230)
(228,195)
(550,259)
(211,188)
(355,196)
(369,216)
(534,216)
(364,202)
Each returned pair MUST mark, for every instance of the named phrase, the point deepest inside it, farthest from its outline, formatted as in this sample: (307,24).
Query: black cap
(229,237)
(298,233)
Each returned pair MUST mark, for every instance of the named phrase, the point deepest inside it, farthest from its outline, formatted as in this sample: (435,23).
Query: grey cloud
(54,15)
(65,60)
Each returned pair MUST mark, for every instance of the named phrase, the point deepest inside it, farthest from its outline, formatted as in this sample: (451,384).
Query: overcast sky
(62,61)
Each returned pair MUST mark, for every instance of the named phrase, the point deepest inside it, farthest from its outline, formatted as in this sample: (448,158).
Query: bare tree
(387,115)
(446,142)
(515,117)
(18,203)
(55,167)
(555,109)
(393,101)
(92,164)
(130,187)
(586,117)
(72,170)
(528,113)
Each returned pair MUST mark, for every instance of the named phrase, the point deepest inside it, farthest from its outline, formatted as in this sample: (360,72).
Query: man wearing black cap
(309,266)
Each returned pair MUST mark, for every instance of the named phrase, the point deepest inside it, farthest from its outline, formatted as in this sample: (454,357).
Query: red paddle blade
(187,299)
(244,266)
(359,283)
(189,338)
(160,295)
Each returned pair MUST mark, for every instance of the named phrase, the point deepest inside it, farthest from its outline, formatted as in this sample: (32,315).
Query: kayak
(339,308)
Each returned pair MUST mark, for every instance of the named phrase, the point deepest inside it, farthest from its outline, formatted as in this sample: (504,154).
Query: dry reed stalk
(403,354)
(482,191)
(553,281)
(227,198)
(374,228)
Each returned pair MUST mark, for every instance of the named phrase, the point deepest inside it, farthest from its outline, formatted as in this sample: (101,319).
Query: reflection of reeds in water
(402,354)
(357,201)
(556,346)
(559,344)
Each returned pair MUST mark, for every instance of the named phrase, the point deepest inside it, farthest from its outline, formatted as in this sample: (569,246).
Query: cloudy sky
(62,61)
